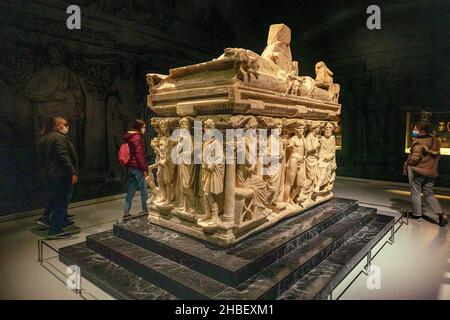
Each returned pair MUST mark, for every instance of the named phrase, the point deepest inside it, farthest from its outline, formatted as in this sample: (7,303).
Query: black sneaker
(43,221)
(417,218)
(67,225)
(57,236)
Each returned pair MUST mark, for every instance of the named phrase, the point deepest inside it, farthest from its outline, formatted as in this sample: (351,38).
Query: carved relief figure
(294,84)
(155,192)
(184,149)
(278,48)
(324,80)
(55,90)
(166,167)
(311,160)
(212,174)
(323,75)
(250,173)
(295,171)
(245,65)
(275,172)
(326,166)
(334,90)
(248,65)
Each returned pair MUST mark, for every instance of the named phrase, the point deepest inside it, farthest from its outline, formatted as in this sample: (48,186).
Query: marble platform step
(278,277)
(234,265)
(320,281)
(269,283)
(109,276)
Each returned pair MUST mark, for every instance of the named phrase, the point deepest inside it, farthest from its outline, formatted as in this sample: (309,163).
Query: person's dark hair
(423,126)
(138,124)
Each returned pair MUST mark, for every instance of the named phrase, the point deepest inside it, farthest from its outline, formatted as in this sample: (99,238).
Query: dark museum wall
(96,76)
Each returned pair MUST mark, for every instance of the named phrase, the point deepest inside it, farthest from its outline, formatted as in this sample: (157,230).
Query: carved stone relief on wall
(92,77)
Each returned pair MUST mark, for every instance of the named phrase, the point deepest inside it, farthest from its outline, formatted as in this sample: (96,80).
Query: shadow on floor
(429,219)
(403,206)
(42,232)
(400,205)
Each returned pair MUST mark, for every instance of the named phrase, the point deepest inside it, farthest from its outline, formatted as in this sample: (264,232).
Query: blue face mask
(415,133)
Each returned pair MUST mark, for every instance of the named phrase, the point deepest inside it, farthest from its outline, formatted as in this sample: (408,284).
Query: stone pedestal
(303,257)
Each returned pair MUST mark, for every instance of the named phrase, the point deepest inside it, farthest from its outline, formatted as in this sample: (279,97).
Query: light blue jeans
(136,181)
(419,184)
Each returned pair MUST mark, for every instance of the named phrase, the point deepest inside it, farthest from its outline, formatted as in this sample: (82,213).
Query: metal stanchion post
(392,237)
(40,251)
(369,262)
(78,289)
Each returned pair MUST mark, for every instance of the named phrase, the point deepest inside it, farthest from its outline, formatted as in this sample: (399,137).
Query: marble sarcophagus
(242,142)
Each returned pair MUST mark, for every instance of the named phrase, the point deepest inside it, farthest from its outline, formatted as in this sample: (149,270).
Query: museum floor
(416,266)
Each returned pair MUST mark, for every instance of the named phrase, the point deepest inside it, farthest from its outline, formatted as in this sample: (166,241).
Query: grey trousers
(419,184)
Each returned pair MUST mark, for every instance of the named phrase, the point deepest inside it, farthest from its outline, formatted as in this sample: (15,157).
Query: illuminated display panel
(440,124)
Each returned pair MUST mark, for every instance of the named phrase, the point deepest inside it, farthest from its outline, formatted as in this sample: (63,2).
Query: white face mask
(64,130)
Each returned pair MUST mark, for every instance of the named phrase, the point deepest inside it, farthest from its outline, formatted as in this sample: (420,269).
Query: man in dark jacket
(60,161)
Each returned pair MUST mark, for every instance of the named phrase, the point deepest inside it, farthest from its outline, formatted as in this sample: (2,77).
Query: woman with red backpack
(132,155)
